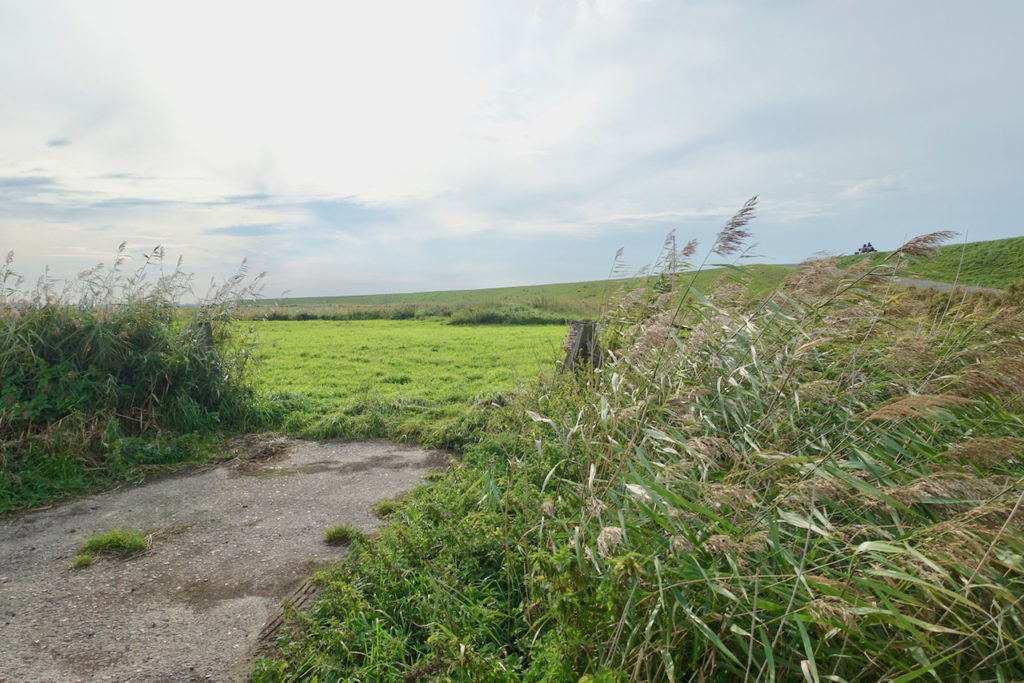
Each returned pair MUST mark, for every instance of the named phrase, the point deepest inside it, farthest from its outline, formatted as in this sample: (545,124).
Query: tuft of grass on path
(119,542)
(340,534)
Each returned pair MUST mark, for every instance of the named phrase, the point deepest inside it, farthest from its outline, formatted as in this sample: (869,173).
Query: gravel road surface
(228,544)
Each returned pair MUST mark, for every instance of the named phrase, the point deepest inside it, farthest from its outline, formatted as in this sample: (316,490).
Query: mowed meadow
(405,379)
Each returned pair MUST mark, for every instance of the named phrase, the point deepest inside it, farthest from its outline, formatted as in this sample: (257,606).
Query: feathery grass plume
(713,453)
(734,496)
(689,249)
(639,494)
(986,451)
(994,515)
(915,405)
(723,544)
(680,544)
(952,491)
(655,333)
(813,278)
(818,390)
(681,403)
(913,349)
(817,488)
(831,610)
(857,581)
(1001,377)
(608,540)
(733,236)
(924,246)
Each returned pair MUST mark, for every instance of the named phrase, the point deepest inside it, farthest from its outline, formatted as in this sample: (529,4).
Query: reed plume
(734,235)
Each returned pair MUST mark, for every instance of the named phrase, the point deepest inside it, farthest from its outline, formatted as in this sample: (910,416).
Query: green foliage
(105,375)
(826,483)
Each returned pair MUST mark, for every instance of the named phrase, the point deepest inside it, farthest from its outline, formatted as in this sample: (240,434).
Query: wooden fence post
(581,344)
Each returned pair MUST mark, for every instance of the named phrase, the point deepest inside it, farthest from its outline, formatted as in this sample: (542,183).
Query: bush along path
(823,485)
(106,376)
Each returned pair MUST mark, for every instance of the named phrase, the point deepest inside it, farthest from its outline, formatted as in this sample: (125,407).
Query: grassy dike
(826,484)
(994,263)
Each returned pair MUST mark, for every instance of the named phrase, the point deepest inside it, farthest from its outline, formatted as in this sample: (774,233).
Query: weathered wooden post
(202,334)
(581,344)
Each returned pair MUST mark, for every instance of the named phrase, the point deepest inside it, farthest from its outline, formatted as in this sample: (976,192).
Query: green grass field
(408,379)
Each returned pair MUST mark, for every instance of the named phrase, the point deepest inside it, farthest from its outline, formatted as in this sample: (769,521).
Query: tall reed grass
(105,373)
(823,485)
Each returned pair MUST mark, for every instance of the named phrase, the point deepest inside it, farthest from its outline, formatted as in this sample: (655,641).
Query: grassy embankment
(826,485)
(530,305)
(995,263)
(101,379)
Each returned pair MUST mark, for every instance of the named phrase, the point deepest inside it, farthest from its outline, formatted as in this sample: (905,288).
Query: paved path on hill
(228,544)
(943,286)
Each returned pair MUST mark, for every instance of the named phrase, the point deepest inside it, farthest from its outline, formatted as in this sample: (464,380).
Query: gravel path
(943,286)
(227,544)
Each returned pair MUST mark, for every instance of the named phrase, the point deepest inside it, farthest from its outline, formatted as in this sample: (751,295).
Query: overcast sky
(378,146)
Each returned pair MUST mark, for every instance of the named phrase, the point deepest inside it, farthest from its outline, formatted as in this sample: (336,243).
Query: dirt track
(227,545)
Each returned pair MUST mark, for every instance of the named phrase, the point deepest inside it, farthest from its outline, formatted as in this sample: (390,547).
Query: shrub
(108,373)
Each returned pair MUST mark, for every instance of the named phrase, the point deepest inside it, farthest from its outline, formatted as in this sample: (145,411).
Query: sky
(390,146)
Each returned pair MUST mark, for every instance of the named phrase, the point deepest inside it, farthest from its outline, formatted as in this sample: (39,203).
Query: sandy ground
(227,545)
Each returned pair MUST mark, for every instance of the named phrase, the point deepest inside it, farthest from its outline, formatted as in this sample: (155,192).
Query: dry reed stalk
(988,451)
(732,496)
(924,246)
(817,390)
(1000,377)
(711,452)
(915,405)
(950,490)
(816,488)
(609,540)
(815,278)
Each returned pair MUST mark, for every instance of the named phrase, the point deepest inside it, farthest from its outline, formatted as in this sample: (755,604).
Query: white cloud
(461,119)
